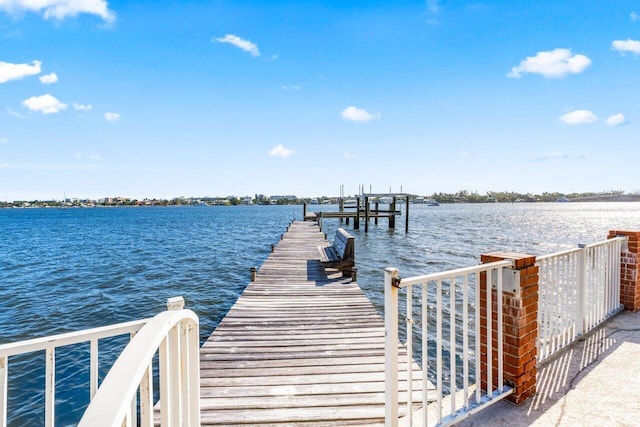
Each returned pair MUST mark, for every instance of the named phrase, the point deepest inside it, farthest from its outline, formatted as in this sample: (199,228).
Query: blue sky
(195,98)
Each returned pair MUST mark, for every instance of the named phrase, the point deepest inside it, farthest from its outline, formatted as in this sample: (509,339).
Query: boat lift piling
(363,211)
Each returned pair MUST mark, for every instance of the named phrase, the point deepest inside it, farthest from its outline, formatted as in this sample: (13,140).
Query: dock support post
(406,220)
(304,211)
(392,214)
(341,209)
(375,221)
(356,219)
(354,274)
(366,214)
(254,272)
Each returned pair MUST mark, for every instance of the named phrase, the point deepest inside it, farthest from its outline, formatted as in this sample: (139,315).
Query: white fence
(578,290)
(447,314)
(114,402)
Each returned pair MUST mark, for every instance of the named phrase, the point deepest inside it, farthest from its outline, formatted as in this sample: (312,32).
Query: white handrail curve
(113,400)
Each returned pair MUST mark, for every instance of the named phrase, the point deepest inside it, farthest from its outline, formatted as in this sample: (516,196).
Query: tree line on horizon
(462,196)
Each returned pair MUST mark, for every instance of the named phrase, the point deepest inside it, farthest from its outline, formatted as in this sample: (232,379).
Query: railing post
(50,387)
(391,347)
(581,291)
(520,326)
(175,303)
(194,377)
(629,270)
(254,272)
(4,362)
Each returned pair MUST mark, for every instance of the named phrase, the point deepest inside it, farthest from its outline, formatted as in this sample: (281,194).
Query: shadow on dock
(594,382)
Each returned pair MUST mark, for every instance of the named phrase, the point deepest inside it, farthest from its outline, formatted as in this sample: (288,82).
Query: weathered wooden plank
(259,391)
(343,415)
(327,362)
(290,370)
(300,401)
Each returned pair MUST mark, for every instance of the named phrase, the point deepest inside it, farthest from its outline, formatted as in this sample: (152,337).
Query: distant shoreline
(440,198)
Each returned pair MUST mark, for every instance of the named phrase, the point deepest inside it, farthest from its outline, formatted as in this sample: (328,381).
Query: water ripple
(65,270)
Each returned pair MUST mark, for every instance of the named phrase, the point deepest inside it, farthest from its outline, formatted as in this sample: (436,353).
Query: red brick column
(520,327)
(630,270)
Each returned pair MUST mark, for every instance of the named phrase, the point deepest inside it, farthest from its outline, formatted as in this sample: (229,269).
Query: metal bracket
(510,280)
(395,282)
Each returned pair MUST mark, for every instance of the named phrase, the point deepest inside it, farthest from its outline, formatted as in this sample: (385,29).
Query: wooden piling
(406,211)
(376,218)
(392,217)
(366,214)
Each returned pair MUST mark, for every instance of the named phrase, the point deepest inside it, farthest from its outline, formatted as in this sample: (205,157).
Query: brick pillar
(520,326)
(629,270)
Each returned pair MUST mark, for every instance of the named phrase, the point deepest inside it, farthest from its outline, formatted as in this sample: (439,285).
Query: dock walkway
(301,346)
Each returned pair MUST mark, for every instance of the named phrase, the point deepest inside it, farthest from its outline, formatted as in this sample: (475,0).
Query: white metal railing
(92,336)
(175,335)
(578,289)
(448,315)
(49,345)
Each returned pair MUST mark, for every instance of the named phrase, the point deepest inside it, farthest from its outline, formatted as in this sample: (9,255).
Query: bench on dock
(341,253)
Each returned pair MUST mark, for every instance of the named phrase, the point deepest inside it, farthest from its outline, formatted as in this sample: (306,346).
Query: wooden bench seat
(340,254)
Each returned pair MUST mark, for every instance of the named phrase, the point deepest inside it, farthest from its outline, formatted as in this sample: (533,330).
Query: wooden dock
(361,210)
(301,346)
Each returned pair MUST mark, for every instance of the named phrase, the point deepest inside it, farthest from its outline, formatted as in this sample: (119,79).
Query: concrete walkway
(596,382)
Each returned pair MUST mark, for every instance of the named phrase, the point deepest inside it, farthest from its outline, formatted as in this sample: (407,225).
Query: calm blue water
(65,270)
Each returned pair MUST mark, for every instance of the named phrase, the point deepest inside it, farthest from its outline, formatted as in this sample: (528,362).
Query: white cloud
(4,140)
(550,156)
(553,63)
(240,43)
(628,45)
(82,107)
(348,155)
(10,71)
(296,87)
(578,117)
(433,9)
(16,114)
(358,115)
(634,17)
(616,120)
(280,151)
(48,79)
(46,104)
(433,6)
(111,117)
(59,9)
(4,165)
